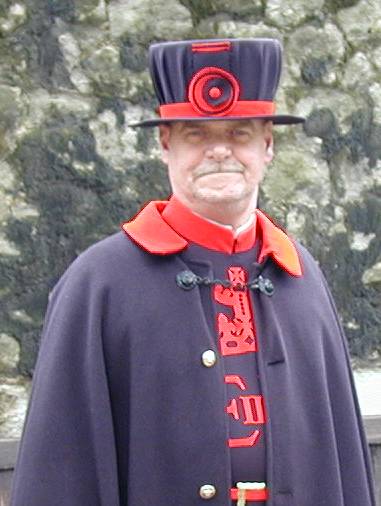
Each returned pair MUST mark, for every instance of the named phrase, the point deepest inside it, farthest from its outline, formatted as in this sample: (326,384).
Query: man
(197,355)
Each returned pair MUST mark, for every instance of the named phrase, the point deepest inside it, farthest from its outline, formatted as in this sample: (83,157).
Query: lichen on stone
(361,241)
(9,357)
(147,20)
(315,53)
(231,28)
(287,14)
(372,276)
(361,23)
(297,177)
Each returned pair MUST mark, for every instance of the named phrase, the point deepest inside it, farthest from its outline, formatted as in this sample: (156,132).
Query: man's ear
(269,154)
(164,133)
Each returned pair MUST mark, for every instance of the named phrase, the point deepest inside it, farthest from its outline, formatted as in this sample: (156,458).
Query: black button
(266,286)
(186,280)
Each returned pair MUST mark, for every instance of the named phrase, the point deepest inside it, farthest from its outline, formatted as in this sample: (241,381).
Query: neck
(235,213)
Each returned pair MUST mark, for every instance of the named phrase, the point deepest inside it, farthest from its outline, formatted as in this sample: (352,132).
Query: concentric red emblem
(213,91)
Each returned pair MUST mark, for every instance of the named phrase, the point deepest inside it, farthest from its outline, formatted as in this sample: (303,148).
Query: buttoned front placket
(230,319)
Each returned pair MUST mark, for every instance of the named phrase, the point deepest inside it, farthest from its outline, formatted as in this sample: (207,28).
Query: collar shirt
(209,233)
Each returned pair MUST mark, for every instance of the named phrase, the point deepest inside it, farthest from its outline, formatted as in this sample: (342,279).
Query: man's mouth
(222,172)
(219,170)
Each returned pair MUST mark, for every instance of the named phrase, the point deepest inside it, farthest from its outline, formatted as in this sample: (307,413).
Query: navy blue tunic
(248,463)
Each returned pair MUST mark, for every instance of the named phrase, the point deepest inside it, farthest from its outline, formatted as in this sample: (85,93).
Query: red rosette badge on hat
(213,91)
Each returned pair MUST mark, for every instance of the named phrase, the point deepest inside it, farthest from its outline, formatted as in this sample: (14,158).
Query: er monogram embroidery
(236,335)
(252,407)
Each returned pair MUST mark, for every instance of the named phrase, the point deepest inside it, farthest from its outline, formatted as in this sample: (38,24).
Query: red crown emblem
(213,91)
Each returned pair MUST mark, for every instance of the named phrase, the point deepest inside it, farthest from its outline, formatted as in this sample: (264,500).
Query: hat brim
(282,119)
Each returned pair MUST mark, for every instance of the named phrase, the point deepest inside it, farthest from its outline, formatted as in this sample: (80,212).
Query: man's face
(216,161)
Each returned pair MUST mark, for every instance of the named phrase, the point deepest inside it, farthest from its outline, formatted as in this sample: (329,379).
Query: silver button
(209,358)
(207,491)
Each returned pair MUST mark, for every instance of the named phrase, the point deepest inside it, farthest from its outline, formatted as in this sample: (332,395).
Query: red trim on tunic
(251,495)
(167,227)
(241,108)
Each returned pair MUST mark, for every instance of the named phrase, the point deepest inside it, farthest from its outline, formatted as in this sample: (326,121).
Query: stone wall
(74,74)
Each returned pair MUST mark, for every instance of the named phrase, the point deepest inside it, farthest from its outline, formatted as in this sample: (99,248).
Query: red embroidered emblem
(244,442)
(213,90)
(253,410)
(236,335)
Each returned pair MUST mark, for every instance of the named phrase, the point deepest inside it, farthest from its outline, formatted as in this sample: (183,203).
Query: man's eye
(194,135)
(241,133)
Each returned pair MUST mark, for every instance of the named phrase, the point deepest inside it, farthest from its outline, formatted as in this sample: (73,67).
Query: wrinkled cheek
(256,171)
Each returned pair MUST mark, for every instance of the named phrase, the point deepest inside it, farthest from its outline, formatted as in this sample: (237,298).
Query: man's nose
(218,152)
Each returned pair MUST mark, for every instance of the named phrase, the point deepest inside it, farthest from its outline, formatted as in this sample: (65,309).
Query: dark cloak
(122,411)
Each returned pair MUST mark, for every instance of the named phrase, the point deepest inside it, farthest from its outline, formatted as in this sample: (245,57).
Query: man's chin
(225,197)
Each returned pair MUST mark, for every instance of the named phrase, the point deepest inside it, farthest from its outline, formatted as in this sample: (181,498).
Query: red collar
(159,229)
(195,228)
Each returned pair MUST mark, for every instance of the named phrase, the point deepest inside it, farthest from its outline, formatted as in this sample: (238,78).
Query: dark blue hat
(216,79)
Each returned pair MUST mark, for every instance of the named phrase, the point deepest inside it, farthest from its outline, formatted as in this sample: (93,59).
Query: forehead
(218,124)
